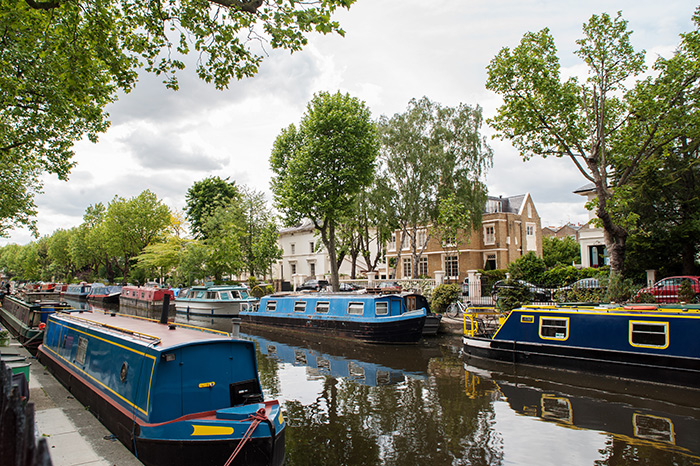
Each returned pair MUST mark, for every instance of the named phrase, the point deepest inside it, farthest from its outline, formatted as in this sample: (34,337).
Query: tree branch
(250,6)
(48,5)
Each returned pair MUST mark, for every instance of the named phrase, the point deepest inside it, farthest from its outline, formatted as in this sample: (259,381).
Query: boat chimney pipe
(236,330)
(166,308)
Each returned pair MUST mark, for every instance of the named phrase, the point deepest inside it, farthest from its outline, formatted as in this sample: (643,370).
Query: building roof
(303,226)
(586,188)
(512,204)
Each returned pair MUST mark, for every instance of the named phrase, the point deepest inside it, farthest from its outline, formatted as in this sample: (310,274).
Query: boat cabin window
(224,295)
(82,350)
(356,309)
(271,306)
(649,334)
(244,294)
(234,294)
(552,328)
(381,309)
(322,306)
(200,294)
(299,306)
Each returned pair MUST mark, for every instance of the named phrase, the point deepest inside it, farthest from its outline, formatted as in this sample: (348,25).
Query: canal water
(348,403)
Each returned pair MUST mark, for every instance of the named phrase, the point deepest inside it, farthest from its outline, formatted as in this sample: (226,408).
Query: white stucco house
(594,253)
(304,256)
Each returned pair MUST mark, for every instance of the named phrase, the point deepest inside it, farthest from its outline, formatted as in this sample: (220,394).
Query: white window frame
(490,234)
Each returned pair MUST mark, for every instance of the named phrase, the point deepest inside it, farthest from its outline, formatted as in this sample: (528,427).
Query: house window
(554,328)
(311,247)
(489,234)
(490,262)
(392,243)
(293,267)
(322,307)
(649,334)
(422,238)
(423,266)
(530,239)
(356,309)
(299,306)
(407,266)
(530,230)
(450,242)
(293,248)
(381,309)
(452,266)
(312,269)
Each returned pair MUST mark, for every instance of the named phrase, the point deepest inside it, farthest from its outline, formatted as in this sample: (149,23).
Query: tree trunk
(328,238)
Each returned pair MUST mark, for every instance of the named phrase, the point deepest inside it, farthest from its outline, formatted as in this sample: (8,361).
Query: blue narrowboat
(77,291)
(366,317)
(173,394)
(105,294)
(215,301)
(658,344)
(26,320)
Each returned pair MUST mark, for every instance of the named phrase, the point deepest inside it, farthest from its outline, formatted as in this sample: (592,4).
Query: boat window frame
(663,324)
(272,308)
(353,305)
(322,304)
(297,303)
(557,338)
(81,352)
(225,295)
(376,308)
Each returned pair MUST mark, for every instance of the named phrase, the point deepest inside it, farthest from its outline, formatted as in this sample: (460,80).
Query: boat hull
(390,331)
(24,320)
(209,309)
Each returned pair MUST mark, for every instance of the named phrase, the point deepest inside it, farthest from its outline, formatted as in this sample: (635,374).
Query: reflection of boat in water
(324,364)
(223,301)
(655,344)
(172,394)
(398,361)
(362,317)
(667,420)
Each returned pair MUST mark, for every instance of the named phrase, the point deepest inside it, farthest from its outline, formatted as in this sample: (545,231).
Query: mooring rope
(257,418)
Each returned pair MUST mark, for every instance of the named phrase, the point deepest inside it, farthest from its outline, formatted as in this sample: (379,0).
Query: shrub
(512,295)
(619,289)
(529,268)
(444,295)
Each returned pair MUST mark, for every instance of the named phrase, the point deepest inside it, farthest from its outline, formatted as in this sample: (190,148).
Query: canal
(354,404)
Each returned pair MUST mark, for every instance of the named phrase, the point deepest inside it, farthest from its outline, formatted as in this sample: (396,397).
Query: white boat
(215,301)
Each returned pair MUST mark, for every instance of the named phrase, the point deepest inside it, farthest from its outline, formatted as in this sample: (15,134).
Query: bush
(444,295)
(513,295)
(529,268)
(620,290)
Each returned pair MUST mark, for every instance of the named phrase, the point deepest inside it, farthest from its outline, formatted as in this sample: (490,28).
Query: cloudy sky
(394,50)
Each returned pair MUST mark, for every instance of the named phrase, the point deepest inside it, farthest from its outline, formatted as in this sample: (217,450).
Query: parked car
(313,285)
(535,293)
(668,289)
(348,287)
(390,287)
(586,289)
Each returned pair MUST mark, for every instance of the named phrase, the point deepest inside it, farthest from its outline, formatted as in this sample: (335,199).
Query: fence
(18,444)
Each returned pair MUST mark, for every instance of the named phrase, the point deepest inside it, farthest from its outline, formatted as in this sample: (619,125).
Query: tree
(606,131)
(206,196)
(431,155)
(132,224)
(259,241)
(560,251)
(63,61)
(320,168)
(223,230)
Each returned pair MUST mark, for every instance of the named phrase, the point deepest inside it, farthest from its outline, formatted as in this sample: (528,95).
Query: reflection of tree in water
(415,422)
(619,451)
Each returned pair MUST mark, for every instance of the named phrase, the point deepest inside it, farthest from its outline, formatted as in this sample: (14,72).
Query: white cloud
(394,50)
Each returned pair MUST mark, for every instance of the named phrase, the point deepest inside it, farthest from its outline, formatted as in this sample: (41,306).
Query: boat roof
(143,330)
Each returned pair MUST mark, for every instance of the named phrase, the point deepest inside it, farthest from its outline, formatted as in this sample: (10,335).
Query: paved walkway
(75,437)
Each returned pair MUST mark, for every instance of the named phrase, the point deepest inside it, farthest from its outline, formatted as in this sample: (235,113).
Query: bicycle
(455,309)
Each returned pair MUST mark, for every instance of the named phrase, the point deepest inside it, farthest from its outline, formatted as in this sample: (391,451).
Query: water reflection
(349,403)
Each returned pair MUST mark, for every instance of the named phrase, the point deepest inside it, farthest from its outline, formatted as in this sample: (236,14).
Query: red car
(666,290)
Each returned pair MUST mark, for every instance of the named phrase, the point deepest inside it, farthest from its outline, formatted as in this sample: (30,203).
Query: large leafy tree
(132,224)
(320,168)
(259,239)
(432,156)
(605,130)
(63,61)
(204,198)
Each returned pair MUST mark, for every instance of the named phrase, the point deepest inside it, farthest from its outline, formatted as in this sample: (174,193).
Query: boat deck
(146,331)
